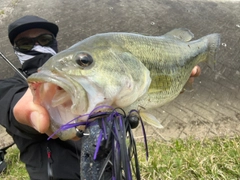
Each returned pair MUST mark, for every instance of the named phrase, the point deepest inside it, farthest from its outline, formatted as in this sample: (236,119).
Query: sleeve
(11,90)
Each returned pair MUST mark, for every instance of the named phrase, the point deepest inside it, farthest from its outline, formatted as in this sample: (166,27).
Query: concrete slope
(213,108)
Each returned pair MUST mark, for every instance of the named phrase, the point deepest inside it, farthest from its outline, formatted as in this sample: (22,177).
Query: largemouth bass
(125,70)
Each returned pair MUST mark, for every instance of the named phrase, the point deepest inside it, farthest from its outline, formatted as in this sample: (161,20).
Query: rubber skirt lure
(108,149)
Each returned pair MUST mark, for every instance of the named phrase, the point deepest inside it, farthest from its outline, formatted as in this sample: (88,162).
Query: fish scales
(170,63)
(168,55)
(123,70)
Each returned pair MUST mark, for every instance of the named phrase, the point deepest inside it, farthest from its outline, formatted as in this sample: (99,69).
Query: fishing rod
(12,66)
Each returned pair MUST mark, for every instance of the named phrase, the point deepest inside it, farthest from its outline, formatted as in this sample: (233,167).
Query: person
(34,42)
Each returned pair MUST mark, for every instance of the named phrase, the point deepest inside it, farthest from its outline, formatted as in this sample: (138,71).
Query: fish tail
(213,45)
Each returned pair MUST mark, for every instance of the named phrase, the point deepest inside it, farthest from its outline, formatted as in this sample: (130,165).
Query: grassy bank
(217,158)
(192,159)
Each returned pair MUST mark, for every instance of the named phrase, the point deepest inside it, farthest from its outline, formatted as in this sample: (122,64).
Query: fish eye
(84,59)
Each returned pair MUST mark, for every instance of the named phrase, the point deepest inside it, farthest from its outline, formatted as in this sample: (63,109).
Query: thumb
(38,118)
(31,114)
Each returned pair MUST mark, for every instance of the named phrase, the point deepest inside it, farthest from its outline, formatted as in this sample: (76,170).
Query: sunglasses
(26,44)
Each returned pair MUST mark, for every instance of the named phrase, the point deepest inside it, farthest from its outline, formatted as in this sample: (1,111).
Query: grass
(179,159)
(192,159)
(15,169)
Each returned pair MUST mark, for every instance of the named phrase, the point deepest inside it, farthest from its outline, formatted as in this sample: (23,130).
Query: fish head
(77,80)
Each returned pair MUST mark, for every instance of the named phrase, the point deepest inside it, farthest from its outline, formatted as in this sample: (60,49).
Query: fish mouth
(60,97)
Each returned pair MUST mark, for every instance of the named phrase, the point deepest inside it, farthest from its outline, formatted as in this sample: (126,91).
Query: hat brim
(53,28)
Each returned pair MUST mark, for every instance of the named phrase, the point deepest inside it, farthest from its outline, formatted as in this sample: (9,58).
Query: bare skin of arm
(36,116)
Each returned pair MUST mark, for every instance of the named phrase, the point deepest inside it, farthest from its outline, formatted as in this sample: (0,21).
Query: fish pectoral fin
(150,119)
(182,34)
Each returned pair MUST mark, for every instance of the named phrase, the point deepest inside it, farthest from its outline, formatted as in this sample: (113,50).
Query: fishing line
(12,66)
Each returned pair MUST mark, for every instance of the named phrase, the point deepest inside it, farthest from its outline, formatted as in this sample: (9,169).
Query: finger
(196,71)
(31,114)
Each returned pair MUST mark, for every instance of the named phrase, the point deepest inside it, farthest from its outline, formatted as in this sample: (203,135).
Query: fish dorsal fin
(182,34)
(150,119)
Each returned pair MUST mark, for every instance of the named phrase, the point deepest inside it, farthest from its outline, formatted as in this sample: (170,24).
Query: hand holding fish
(195,72)
(36,116)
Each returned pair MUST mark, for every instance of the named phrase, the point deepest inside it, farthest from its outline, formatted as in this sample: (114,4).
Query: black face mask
(54,46)
(31,66)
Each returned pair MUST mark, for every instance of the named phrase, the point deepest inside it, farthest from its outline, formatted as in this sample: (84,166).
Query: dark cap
(30,22)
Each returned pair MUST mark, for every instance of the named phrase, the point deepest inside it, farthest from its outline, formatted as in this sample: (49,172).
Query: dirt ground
(212,109)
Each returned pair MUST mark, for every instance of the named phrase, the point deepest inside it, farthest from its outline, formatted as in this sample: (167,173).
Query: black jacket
(65,155)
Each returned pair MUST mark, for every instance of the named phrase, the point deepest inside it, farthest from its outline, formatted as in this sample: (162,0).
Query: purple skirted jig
(108,147)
